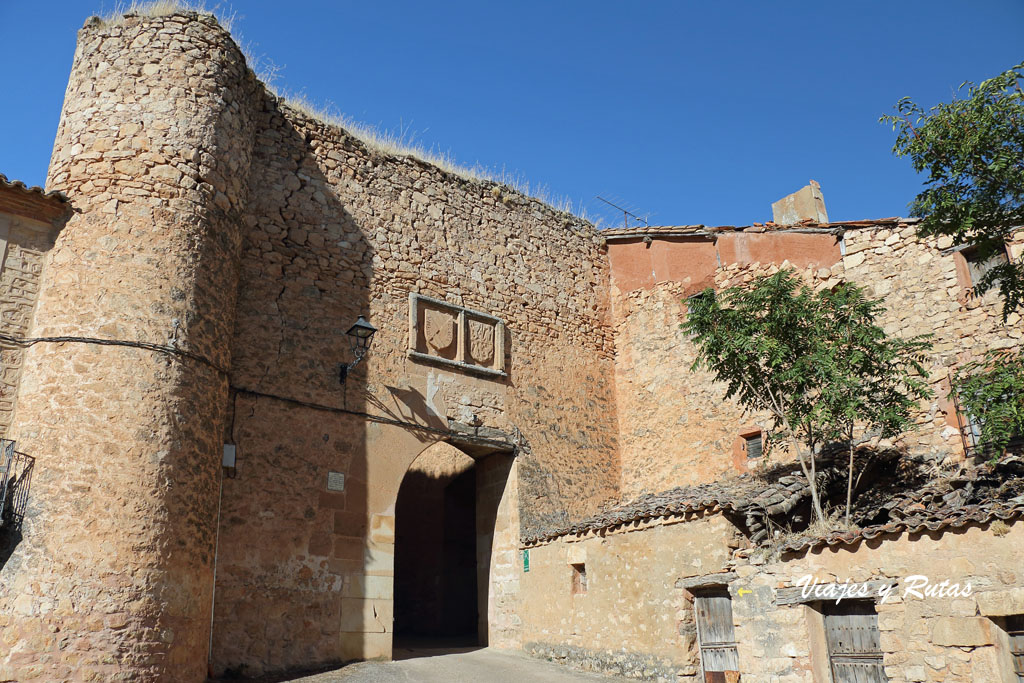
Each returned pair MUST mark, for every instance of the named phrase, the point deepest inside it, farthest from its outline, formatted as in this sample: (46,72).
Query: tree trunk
(849,485)
(812,480)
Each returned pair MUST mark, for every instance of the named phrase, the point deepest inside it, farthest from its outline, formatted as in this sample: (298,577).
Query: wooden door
(1015,629)
(854,648)
(716,635)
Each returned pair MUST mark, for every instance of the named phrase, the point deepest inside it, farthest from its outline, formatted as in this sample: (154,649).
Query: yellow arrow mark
(743,591)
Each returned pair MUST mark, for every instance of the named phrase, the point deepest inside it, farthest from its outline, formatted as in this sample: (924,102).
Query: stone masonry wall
(337,230)
(221,230)
(631,620)
(112,579)
(676,428)
(26,245)
(923,637)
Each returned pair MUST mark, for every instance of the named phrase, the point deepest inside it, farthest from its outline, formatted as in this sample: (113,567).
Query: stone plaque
(335,481)
(439,331)
(481,342)
(446,334)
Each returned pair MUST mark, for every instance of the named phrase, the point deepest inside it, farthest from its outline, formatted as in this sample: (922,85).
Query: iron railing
(15,477)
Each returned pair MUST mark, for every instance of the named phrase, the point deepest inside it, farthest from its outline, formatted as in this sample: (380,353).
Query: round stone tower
(112,576)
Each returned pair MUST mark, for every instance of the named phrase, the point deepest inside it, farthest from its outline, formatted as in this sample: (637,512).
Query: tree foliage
(973,152)
(818,363)
(991,392)
(872,382)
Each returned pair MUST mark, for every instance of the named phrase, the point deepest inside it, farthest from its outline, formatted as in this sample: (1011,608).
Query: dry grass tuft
(403,143)
(999,528)
(160,8)
(834,521)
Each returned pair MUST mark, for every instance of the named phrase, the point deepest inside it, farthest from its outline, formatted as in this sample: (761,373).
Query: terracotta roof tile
(35,189)
(939,505)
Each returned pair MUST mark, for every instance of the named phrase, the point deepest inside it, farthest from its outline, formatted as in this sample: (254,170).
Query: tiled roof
(927,520)
(699,229)
(941,504)
(740,495)
(35,189)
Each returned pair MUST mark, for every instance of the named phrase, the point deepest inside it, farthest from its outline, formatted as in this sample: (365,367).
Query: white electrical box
(335,481)
(229,456)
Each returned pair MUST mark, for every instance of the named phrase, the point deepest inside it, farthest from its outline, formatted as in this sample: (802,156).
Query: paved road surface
(458,666)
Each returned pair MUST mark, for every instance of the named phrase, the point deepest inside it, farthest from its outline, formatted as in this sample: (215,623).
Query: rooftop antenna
(626,214)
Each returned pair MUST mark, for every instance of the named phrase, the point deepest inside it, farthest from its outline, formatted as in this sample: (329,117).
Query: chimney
(805,204)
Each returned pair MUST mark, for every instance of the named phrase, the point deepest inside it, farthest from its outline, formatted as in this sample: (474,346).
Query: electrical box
(335,481)
(229,456)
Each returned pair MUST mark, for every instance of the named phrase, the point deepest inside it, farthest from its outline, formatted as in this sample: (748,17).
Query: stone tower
(114,575)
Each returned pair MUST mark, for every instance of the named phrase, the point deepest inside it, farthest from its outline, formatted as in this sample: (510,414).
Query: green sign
(526,560)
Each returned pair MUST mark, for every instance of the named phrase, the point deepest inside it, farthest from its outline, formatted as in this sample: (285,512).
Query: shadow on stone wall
(292,550)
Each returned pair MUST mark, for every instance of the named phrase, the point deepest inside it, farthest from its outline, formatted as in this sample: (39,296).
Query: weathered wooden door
(1015,629)
(716,636)
(854,649)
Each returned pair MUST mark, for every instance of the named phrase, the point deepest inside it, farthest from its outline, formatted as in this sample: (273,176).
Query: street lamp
(360,335)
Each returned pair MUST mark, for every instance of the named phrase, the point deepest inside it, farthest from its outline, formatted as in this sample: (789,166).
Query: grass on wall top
(386,142)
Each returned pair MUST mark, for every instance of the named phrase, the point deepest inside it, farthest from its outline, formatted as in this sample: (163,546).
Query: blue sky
(688,112)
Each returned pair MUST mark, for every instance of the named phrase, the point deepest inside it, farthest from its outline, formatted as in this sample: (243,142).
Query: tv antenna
(626,213)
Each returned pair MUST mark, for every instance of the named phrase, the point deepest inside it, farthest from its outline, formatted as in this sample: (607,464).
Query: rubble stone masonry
(924,636)
(23,245)
(677,428)
(225,242)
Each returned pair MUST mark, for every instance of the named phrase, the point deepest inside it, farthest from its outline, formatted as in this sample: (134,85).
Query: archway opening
(436,566)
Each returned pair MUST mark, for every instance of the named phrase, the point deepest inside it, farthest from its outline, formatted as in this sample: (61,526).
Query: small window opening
(579,578)
(754,445)
(977,267)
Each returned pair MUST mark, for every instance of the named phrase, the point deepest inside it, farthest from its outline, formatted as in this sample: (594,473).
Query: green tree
(872,382)
(817,363)
(991,392)
(973,151)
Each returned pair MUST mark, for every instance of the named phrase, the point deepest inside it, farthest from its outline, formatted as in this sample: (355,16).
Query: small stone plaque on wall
(445,334)
(335,481)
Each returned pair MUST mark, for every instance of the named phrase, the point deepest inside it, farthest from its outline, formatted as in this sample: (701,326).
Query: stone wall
(676,428)
(113,577)
(23,246)
(631,620)
(923,638)
(338,230)
(226,242)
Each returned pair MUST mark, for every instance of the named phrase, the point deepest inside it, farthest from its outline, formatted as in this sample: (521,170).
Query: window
(715,634)
(977,267)
(853,640)
(753,445)
(1014,627)
(579,578)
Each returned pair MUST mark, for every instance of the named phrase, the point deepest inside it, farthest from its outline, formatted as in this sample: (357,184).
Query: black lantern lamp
(360,335)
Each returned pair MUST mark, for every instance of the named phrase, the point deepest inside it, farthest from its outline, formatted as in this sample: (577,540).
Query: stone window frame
(740,459)
(579,578)
(463,315)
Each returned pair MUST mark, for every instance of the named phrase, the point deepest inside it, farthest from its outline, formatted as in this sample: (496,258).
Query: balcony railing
(15,477)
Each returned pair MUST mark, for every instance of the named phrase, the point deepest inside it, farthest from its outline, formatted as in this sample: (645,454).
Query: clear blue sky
(691,112)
